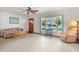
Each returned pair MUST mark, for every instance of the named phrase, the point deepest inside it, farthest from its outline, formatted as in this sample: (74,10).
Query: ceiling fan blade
(32,12)
(28,9)
(28,12)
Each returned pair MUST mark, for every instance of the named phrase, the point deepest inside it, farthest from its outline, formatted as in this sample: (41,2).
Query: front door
(31,25)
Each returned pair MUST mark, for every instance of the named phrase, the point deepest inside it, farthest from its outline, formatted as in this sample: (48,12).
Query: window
(54,24)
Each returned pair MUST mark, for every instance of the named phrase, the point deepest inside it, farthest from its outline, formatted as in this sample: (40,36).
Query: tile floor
(36,43)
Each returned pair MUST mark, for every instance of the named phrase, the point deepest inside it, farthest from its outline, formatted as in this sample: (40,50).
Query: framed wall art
(13,20)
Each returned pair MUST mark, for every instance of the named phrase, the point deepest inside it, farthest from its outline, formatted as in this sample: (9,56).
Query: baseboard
(36,33)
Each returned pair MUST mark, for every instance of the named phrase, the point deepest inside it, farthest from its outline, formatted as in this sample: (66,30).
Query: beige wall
(4,21)
(69,15)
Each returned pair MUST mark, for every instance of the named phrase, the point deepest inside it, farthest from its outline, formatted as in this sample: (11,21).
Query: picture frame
(13,20)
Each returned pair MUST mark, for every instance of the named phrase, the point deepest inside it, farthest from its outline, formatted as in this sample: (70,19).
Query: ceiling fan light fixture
(29,10)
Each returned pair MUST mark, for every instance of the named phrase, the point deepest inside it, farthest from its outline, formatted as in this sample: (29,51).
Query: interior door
(31,25)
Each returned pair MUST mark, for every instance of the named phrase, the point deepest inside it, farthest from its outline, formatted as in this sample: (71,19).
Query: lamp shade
(73,23)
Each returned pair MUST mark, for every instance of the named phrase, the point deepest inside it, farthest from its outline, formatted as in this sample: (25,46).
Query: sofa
(71,34)
(12,32)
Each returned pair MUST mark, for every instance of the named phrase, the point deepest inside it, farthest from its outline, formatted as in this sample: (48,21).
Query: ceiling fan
(29,10)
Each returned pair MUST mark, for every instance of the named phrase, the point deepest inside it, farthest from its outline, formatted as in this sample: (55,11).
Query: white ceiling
(40,9)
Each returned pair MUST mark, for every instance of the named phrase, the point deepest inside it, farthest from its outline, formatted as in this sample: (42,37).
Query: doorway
(31,25)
